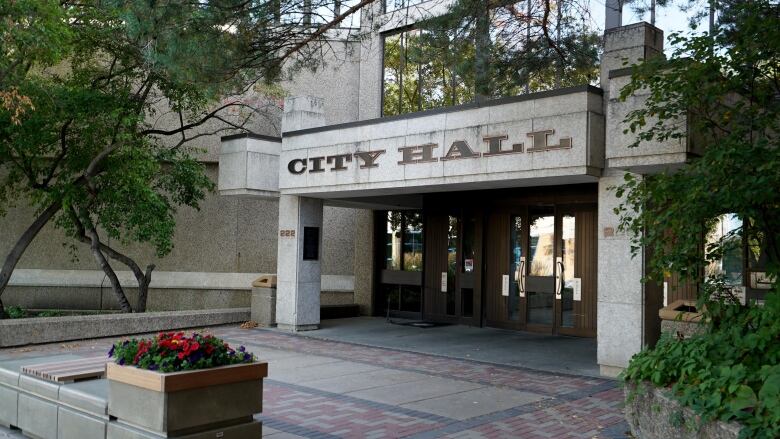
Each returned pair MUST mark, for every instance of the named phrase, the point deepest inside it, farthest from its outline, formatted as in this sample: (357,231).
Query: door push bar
(558,277)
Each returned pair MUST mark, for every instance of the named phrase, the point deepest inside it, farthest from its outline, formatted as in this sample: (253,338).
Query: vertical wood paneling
(497,264)
(586,269)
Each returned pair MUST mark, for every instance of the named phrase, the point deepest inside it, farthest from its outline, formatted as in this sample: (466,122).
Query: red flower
(181,355)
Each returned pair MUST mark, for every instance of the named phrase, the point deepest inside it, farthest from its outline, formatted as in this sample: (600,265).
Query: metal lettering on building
(493,145)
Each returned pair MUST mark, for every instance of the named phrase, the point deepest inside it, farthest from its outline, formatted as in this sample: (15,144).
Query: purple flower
(111,352)
(121,361)
(241,349)
(153,366)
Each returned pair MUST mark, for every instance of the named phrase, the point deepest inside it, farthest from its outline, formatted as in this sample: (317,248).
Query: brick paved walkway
(330,389)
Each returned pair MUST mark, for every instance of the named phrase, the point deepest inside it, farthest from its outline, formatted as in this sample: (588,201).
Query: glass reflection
(413,242)
(541,260)
(541,235)
(452,262)
(728,233)
(393,239)
(516,249)
(568,250)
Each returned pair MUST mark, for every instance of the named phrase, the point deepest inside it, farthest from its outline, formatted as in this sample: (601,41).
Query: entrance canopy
(532,140)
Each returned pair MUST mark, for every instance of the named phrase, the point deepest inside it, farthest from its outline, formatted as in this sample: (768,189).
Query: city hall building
(495,213)
(488,213)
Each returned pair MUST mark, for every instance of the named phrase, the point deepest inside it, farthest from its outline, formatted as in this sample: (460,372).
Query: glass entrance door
(552,262)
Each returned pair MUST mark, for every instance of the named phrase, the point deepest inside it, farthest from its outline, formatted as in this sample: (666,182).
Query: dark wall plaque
(311,243)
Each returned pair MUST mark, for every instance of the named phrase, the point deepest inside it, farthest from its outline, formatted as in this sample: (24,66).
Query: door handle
(558,277)
(520,275)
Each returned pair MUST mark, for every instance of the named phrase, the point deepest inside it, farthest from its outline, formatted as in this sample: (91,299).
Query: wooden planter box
(190,402)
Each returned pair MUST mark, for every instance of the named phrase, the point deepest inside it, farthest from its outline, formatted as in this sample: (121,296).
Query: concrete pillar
(620,306)
(613,14)
(301,112)
(621,293)
(299,275)
(626,45)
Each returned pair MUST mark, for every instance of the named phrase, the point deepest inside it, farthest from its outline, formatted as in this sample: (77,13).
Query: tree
(84,86)
(722,88)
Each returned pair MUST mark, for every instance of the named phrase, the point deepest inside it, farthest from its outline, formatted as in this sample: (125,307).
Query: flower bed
(174,352)
(176,385)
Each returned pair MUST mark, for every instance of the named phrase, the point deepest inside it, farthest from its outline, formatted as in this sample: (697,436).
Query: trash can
(681,318)
(263,307)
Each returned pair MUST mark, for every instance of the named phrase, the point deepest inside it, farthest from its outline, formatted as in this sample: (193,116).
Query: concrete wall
(228,235)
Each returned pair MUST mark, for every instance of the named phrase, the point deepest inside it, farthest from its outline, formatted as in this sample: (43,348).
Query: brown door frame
(435,257)
(525,211)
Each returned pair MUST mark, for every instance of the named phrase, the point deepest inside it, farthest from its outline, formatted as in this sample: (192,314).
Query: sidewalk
(320,388)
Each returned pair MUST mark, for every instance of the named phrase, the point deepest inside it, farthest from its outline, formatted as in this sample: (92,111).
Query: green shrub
(16,312)
(51,313)
(729,372)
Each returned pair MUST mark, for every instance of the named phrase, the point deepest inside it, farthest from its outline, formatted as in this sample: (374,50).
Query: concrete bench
(50,410)
(68,371)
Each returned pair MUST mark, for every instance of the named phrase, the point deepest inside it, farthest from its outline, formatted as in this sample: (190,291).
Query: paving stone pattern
(329,389)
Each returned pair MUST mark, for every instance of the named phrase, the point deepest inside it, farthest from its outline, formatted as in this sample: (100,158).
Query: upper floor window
(514,48)
(314,12)
(421,72)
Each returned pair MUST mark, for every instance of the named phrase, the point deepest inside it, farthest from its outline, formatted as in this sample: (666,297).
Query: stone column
(301,112)
(620,307)
(299,280)
(629,44)
(621,293)
(299,275)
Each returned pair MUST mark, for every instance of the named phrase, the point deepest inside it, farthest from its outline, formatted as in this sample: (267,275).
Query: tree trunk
(144,279)
(143,288)
(21,245)
(124,305)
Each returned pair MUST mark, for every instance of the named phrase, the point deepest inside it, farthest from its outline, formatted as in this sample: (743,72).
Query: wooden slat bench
(68,371)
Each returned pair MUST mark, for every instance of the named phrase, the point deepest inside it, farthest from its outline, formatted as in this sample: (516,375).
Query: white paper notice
(576,285)
(505,285)
(443,281)
(666,293)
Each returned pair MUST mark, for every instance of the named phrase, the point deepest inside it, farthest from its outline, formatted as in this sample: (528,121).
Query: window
(314,12)
(422,72)
(730,262)
(403,241)
(436,64)
(400,292)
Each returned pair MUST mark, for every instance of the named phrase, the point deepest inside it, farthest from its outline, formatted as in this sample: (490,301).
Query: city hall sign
(425,153)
